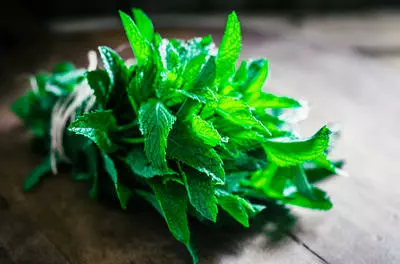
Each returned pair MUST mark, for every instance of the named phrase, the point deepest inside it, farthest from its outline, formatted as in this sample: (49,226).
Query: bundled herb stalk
(181,128)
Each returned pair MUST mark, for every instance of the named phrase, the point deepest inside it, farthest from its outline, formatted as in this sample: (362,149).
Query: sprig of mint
(183,129)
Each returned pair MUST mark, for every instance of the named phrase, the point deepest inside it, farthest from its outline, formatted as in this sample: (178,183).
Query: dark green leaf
(114,66)
(172,198)
(123,193)
(37,174)
(236,206)
(201,193)
(190,150)
(139,164)
(99,81)
(96,126)
(155,123)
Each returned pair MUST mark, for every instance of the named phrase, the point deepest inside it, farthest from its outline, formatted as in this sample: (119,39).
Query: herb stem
(127,126)
(132,140)
(134,106)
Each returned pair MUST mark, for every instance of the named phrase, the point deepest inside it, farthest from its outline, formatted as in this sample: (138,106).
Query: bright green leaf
(237,112)
(291,152)
(229,48)
(140,47)
(144,24)
(205,131)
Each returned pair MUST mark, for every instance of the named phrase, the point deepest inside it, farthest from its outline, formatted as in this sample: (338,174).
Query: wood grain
(341,86)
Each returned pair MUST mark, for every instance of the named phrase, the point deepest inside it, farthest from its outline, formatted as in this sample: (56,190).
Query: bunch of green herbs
(183,129)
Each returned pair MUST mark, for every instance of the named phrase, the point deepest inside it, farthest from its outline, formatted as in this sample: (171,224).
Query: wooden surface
(319,62)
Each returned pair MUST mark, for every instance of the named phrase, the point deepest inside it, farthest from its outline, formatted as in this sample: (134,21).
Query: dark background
(20,19)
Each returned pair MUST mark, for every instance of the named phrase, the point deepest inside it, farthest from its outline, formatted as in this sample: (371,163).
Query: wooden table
(59,224)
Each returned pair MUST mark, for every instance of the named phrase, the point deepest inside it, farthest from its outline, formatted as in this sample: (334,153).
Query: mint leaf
(201,193)
(100,83)
(173,203)
(139,164)
(237,207)
(190,150)
(238,112)
(205,131)
(291,152)
(140,47)
(114,66)
(63,67)
(96,126)
(123,193)
(192,71)
(144,24)
(229,48)
(37,174)
(315,173)
(256,79)
(266,100)
(155,123)
(207,74)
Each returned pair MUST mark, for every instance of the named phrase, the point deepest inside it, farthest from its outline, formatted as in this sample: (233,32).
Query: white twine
(64,112)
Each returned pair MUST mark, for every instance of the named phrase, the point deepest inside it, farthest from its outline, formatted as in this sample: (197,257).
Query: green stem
(134,106)
(132,140)
(127,126)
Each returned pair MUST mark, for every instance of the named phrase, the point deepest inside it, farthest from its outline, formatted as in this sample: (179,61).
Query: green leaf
(80,176)
(316,174)
(291,152)
(96,126)
(205,131)
(207,74)
(144,24)
(236,206)
(320,202)
(192,71)
(155,124)
(229,48)
(140,47)
(63,67)
(151,199)
(37,174)
(139,164)
(267,100)
(289,185)
(201,193)
(256,82)
(172,198)
(123,193)
(238,112)
(99,82)
(91,155)
(190,150)
(114,66)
